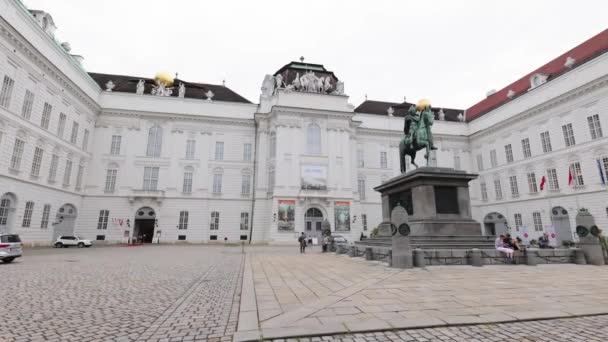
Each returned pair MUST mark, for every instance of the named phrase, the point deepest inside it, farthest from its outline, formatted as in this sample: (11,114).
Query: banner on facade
(342,211)
(550,230)
(287,214)
(524,235)
(314,177)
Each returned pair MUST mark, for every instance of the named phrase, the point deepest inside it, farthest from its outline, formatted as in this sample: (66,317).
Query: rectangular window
(61,125)
(525,146)
(115,146)
(46,213)
(215,221)
(37,162)
(518,222)
(498,189)
(45,119)
(532,188)
(27,214)
(219,150)
(605,164)
(28,105)
(217,183)
(594,126)
(479,162)
(514,187)
(111,180)
(7,91)
(68,173)
(361,188)
(493,158)
(552,179)
(568,135)
(360,158)
(273,145)
(190,146)
(85,140)
(538,223)
(457,162)
(53,168)
(545,140)
(79,177)
(383,161)
(17,154)
(509,153)
(247,152)
(183,220)
(364,221)
(244,221)
(102,223)
(187,186)
(577,174)
(484,191)
(74,136)
(151,178)
(246,185)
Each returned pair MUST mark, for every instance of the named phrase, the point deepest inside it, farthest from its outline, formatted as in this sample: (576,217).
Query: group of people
(508,245)
(303,242)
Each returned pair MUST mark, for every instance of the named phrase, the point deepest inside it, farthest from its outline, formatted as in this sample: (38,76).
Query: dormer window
(537,79)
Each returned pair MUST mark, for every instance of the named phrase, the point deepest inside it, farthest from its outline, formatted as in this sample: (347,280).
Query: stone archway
(313,223)
(495,224)
(144,224)
(65,221)
(8,203)
(561,222)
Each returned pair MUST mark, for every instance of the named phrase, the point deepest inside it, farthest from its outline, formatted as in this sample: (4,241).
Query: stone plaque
(446,199)
(386,229)
(399,216)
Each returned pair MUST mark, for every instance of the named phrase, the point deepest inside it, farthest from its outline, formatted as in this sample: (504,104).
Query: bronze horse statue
(418,136)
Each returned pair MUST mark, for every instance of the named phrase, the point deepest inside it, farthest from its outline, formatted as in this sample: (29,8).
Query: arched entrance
(495,224)
(561,223)
(8,202)
(145,220)
(65,220)
(313,223)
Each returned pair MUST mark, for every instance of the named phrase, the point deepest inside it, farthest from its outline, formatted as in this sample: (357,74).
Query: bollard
(579,257)
(419,258)
(352,252)
(476,257)
(531,256)
(369,253)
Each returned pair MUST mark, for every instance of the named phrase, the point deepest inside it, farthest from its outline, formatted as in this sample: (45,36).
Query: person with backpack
(302,241)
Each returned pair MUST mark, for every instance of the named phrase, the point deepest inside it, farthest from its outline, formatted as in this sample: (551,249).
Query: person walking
(302,241)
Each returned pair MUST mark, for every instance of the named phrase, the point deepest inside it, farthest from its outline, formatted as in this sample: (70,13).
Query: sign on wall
(287,213)
(342,211)
(314,177)
(550,230)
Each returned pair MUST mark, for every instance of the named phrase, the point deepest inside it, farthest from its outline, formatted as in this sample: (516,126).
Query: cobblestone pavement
(582,329)
(150,293)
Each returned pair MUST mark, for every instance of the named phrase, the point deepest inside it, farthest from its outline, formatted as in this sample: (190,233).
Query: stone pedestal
(590,245)
(402,253)
(436,200)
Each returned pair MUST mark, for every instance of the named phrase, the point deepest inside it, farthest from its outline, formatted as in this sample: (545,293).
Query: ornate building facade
(115,157)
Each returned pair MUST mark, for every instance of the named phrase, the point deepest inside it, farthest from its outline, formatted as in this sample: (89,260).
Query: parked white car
(339,239)
(10,247)
(66,241)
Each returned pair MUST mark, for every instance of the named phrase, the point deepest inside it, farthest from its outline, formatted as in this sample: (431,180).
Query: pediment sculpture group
(308,82)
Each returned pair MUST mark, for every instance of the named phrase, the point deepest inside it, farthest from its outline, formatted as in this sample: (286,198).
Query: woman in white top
(500,246)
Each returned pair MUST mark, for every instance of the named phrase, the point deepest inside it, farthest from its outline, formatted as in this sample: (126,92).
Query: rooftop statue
(140,87)
(182,90)
(417,129)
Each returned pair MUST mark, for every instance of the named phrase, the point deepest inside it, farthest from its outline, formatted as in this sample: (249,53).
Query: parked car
(66,241)
(339,239)
(10,247)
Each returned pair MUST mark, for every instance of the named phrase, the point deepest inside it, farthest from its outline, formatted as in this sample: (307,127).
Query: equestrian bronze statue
(417,129)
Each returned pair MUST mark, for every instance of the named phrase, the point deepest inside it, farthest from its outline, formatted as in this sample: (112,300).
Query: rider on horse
(412,126)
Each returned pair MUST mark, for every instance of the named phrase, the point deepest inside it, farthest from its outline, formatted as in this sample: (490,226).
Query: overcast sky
(451,52)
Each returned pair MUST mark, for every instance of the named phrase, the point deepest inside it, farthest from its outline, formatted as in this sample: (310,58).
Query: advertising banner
(342,211)
(287,213)
(314,177)
(524,235)
(550,230)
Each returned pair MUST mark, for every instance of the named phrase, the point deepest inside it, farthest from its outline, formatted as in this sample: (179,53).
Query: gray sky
(450,51)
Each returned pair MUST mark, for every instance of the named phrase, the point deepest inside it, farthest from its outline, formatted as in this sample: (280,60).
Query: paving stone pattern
(582,329)
(151,293)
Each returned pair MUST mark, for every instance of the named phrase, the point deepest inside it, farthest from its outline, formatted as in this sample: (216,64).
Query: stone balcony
(156,195)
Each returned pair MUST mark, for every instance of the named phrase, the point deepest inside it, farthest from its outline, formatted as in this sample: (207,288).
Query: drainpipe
(255,162)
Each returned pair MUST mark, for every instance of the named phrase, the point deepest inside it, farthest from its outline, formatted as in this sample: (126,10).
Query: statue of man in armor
(410,126)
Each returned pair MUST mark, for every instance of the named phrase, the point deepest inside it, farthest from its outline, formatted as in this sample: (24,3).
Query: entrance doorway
(495,224)
(561,223)
(313,222)
(65,220)
(7,210)
(145,222)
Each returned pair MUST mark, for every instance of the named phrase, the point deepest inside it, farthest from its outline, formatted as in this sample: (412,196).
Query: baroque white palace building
(113,157)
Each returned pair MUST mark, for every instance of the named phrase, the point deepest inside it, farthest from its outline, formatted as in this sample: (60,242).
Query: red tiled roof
(584,52)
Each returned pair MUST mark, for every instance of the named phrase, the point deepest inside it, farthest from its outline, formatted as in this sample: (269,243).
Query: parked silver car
(66,241)
(10,247)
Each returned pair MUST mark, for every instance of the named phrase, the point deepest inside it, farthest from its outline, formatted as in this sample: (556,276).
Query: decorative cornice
(176,117)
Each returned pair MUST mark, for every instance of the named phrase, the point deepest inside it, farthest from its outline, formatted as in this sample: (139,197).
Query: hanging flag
(542,183)
(570,178)
(602,171)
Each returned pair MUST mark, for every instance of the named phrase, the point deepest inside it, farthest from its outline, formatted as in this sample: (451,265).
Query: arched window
(155,141)
(313,139)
